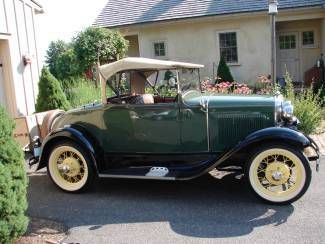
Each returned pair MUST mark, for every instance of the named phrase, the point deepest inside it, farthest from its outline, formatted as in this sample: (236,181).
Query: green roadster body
(158,124)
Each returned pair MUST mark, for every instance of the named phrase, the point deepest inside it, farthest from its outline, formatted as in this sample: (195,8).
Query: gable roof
(129,12)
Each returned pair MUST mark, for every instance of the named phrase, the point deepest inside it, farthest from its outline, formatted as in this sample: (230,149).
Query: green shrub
(307,106)
(223,71)
(13,184)
(50,95)
(81,91)
(101,44)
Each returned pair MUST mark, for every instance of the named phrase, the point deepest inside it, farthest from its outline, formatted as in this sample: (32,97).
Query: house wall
(18,22)
(198,42)
(308,56)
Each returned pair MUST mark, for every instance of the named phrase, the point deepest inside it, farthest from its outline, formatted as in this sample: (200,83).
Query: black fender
(268,135)
(279,134)
(75,134)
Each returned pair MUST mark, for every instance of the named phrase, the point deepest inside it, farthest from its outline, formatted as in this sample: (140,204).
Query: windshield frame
(153,85)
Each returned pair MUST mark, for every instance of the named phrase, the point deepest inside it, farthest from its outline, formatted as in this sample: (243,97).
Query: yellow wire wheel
(279,174)
(68,167)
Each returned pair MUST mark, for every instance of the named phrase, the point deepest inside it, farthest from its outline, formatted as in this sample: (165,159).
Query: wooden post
(102,84)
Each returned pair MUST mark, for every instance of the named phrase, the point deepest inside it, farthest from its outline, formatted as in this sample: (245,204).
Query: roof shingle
(128,12)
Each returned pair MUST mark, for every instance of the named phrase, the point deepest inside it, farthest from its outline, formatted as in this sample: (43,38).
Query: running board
(150,173)
(136,177)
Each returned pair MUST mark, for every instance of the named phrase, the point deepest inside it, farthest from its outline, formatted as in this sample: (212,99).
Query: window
(308,38)
(160,49)
(228,46)
(287,42)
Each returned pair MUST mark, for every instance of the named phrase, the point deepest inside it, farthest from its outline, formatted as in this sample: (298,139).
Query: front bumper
(316,156)
(34,148)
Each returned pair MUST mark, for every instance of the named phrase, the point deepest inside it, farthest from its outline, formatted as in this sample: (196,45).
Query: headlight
(287,110)
(278,108)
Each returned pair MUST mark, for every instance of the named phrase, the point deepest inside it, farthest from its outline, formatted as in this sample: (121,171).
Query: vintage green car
(156,123)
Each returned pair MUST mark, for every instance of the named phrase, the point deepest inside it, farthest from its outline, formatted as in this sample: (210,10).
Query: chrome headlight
(278,108)
(287,110)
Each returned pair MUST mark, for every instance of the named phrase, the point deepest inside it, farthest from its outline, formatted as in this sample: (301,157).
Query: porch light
(273,7)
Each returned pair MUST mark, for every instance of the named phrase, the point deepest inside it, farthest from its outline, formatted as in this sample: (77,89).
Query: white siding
(3,19)
(20,27)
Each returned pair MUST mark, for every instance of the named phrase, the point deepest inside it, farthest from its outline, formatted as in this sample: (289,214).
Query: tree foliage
(99,43)
(62,61)
(50,95)
(223,71)
(13,184)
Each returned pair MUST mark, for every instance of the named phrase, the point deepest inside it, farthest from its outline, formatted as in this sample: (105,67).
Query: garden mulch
(43,231)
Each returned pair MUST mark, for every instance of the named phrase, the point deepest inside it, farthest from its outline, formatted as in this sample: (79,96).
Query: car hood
(216,100)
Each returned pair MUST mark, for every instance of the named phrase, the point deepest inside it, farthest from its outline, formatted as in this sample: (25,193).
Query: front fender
(256,139)
(282,134)
(269,135)
(78,135)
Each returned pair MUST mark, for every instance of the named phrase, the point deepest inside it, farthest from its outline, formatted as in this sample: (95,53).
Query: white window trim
(302,39)
(238,63)
(166,48)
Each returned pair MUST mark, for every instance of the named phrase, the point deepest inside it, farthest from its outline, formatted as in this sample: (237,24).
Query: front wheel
(70,167)
(279,174)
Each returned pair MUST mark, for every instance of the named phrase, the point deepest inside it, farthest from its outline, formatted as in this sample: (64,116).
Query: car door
(142,129)
(194,127)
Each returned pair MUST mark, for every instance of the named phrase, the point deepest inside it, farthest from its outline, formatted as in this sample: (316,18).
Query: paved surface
(205,210)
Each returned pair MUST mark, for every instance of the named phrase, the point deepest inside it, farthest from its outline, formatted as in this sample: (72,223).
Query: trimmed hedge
(13,184)
(224,72)
(50,95)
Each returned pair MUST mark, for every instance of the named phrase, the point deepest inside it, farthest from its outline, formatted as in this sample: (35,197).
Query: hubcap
(277,173)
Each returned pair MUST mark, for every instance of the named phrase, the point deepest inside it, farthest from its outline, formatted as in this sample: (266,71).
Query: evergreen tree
(50,94)
(13,184)
(224,71)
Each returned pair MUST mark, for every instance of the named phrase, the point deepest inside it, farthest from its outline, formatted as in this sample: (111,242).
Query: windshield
(189,80)
(156,82)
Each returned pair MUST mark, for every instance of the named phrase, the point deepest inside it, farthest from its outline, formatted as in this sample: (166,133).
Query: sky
(63,19)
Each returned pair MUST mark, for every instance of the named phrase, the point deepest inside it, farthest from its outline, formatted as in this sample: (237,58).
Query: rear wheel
(70,167)
(279,174)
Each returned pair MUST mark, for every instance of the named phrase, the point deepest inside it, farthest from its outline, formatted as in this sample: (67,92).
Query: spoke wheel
(68,167)
(279,175)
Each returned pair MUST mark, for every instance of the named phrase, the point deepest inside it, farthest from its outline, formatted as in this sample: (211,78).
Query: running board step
(155,173)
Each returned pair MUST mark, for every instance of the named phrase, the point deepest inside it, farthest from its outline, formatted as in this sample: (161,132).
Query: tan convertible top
(108,70)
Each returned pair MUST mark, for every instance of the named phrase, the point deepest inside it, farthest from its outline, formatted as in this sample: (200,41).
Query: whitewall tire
(70,167)
(279,174)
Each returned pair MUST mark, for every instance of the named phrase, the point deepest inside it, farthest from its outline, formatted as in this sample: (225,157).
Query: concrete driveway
(204,210)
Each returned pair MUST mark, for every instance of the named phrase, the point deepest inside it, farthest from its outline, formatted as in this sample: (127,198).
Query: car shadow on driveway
(206,207)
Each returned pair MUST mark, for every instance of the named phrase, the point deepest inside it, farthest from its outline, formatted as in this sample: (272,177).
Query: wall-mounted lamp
(27,59)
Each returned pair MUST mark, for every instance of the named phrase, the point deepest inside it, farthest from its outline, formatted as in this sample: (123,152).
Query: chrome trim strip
(136,177)
(207,120)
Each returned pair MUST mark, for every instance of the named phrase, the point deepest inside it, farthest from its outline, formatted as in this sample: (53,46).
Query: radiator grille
(234,127)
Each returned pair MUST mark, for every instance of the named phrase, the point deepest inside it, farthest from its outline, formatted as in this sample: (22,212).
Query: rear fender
(77,135)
